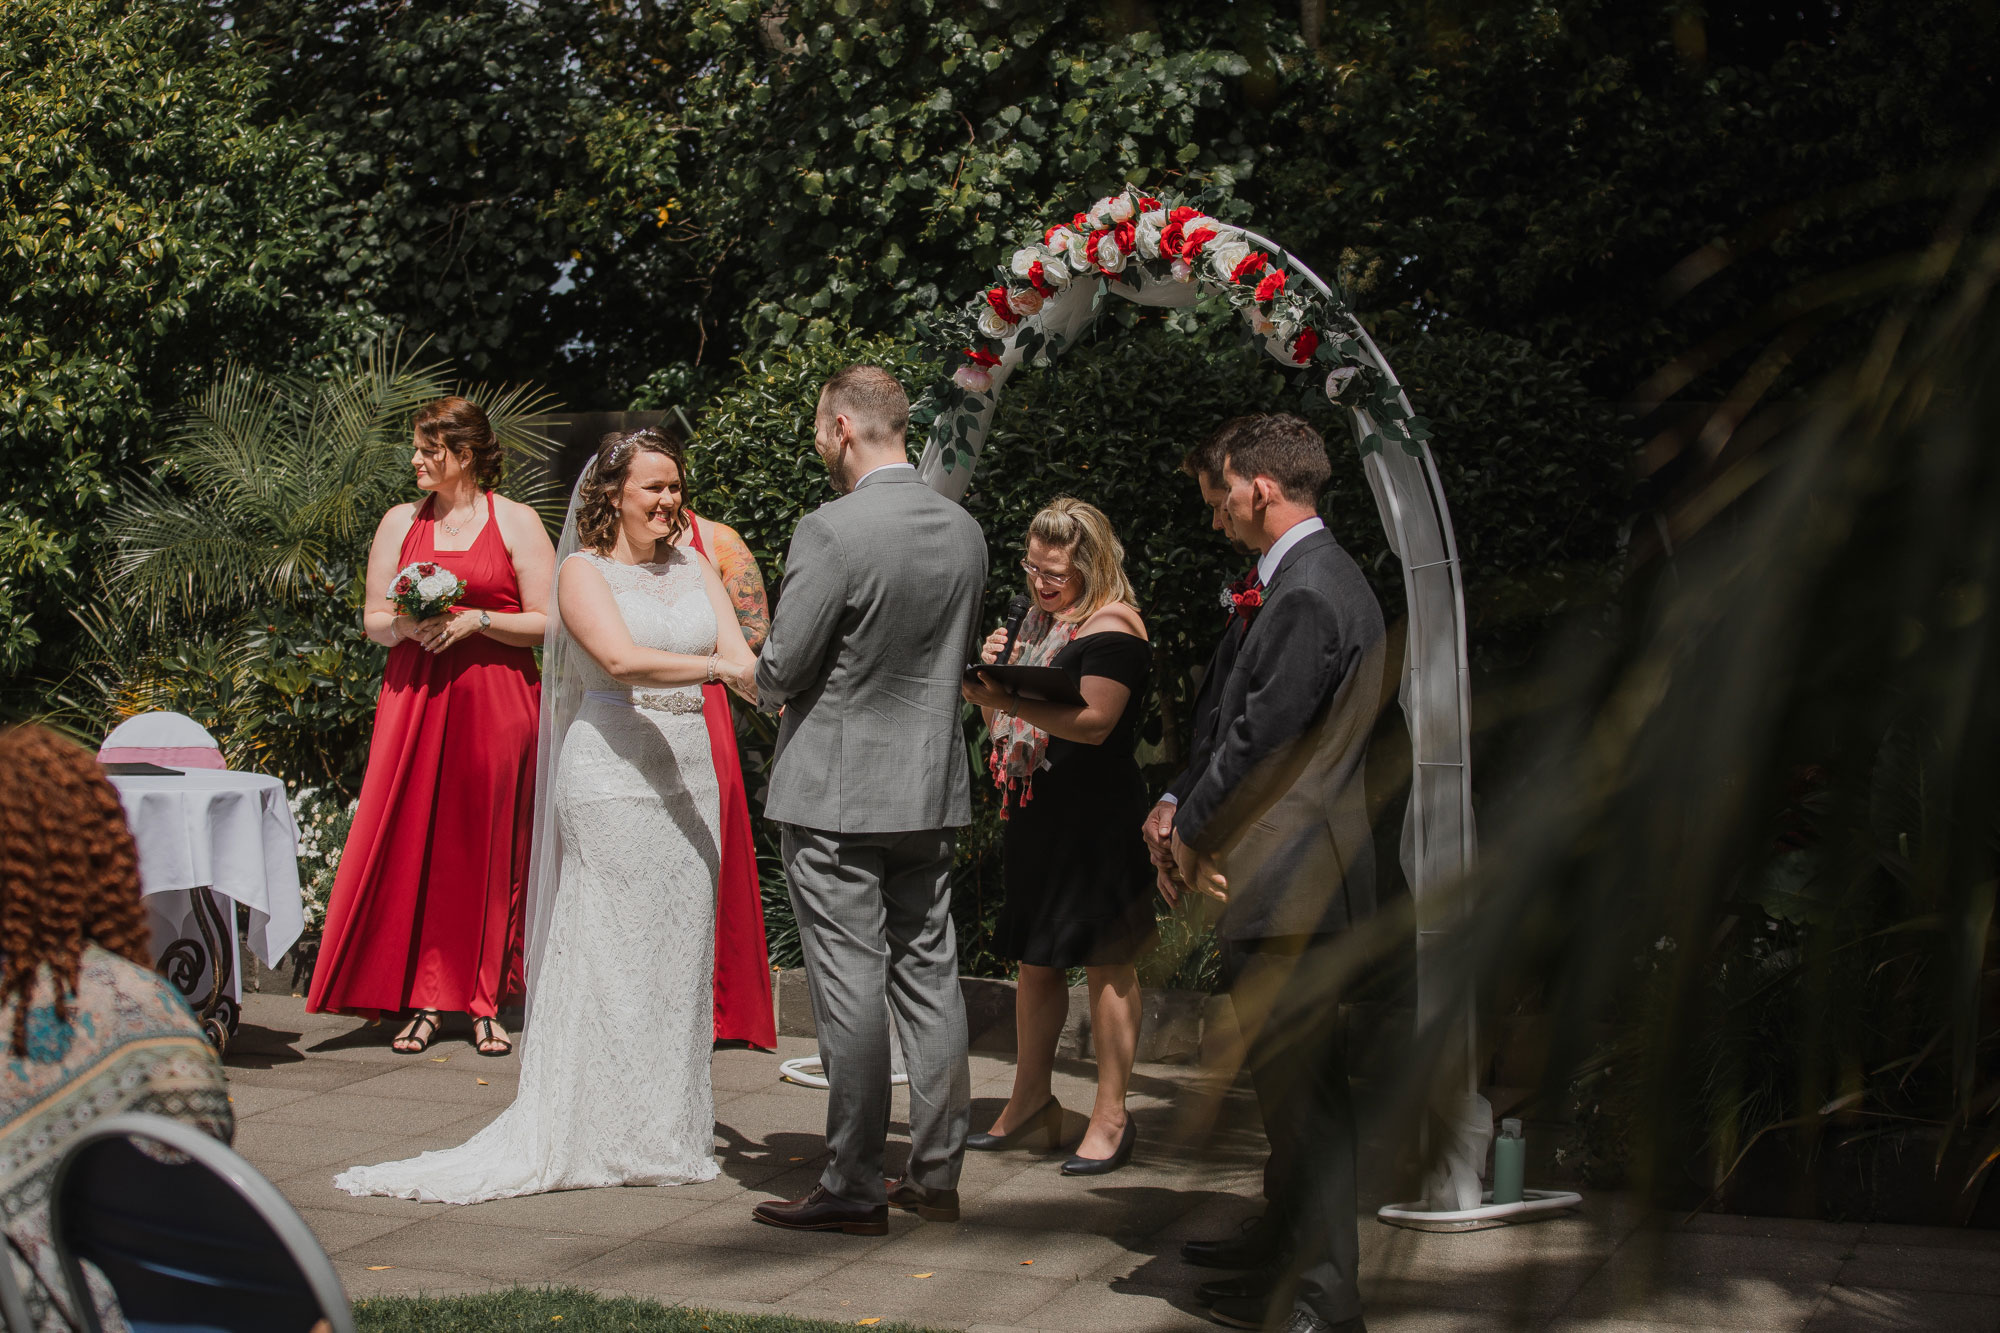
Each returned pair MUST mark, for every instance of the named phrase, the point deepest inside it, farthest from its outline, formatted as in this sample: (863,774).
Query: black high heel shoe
(1098,1166)
(1048,1120)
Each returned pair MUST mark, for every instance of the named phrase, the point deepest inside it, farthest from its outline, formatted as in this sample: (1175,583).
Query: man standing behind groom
(875,622)
(1271,816)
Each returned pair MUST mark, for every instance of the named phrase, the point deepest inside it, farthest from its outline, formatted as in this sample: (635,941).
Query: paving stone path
(1036,1250)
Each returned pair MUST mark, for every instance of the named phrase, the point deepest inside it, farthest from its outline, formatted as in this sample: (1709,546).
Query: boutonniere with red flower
(1243,597)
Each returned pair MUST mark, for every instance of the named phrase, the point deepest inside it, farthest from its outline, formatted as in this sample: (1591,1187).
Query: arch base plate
(1534,1206)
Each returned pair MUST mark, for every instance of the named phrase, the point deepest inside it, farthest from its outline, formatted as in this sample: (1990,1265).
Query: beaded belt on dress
(652,701)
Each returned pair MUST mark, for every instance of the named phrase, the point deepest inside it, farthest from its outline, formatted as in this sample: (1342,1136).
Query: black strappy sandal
(485,1032)
(418,1033)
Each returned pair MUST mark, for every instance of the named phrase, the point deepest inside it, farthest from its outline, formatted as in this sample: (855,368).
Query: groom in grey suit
(875,623)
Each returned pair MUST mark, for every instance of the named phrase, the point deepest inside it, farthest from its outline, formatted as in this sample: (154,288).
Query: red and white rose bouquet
(424,589)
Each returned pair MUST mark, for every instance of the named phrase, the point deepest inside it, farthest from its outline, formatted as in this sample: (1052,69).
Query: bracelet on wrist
(713,660)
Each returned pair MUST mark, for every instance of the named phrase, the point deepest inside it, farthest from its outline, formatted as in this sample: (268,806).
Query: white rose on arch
(1024,259)
(1077,250)
(1121,208)
(1146,234)
(1110,259)
(992,325)
(1224,255)
(1057,240)
(1338,379)
(1055,271)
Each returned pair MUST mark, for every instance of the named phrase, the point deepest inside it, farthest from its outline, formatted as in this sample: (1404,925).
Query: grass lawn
(568,1310)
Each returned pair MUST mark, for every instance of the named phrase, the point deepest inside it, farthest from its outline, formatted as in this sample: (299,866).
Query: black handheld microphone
(1017,611)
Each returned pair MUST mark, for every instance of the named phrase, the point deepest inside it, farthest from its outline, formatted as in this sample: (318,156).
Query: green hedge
(1533,469)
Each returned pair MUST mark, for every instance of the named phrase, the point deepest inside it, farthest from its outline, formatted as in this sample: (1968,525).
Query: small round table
(204,834)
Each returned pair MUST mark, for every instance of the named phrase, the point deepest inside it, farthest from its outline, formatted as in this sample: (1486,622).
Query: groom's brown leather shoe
(931,1205)
(824,1211)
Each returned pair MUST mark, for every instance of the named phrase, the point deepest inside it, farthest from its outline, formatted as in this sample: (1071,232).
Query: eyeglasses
(1033,572)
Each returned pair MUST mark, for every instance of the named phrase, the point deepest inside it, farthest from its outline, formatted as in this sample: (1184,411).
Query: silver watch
(485,621)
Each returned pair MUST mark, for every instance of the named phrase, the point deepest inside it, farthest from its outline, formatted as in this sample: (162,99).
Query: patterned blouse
(130,1045)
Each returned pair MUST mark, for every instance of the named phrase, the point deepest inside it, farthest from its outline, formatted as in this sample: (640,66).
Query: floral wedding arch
(1158,253)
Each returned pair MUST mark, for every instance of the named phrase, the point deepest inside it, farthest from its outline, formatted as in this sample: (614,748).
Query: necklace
(463,523)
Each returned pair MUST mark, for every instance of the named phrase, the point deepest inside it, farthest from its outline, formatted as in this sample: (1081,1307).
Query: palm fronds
(269,480)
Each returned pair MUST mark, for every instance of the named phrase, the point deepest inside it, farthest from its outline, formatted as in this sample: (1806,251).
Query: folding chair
(200,1245)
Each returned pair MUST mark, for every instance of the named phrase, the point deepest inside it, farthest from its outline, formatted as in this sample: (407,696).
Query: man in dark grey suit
(1271,817)
(875,623)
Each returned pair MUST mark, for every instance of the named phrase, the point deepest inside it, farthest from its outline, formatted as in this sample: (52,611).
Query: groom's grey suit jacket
(875,622)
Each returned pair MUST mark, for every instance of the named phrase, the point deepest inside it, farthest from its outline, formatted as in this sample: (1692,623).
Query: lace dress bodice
(665,608)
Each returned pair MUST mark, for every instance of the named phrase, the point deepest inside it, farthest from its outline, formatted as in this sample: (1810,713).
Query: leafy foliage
(859,163)
(149,229)
(499,182)
(1773,785)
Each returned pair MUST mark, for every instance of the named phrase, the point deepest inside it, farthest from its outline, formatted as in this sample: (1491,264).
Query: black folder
(1048,683)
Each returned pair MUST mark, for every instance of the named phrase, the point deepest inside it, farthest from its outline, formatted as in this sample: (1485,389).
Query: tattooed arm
(742,581)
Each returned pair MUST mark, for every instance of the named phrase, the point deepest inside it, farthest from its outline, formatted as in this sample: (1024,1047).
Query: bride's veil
(562,694)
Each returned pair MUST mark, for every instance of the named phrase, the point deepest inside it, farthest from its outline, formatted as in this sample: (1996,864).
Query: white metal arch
(1438,839)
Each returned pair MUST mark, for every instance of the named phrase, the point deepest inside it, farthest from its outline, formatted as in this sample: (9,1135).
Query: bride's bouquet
(425,589)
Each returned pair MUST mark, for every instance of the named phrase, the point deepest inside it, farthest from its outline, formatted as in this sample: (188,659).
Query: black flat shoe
(1098,1166)
(1252,1247)
(1048,1121)
(1256,1286)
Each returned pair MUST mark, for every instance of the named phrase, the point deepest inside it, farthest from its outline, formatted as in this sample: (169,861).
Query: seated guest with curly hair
(91,1031)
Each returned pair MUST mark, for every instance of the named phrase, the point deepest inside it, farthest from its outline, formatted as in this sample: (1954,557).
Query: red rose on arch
(1080,224)
(1183,214)
(1304,346)
(1049,236)
(1147,203)
(1171,240)
(1273,283)
(1127,237)
(1191,249)
(979,356)
(1249,268)
(997,298)
(1038,280)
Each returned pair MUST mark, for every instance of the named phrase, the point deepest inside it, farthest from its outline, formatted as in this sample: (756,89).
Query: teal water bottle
(1510,1158)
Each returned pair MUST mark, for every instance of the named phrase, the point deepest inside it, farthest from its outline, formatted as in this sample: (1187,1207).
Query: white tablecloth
(231,832)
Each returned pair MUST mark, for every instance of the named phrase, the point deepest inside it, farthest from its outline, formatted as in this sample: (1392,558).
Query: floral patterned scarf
(1018,749)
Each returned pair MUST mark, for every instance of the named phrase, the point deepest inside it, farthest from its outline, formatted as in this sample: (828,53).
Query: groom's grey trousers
(874,913)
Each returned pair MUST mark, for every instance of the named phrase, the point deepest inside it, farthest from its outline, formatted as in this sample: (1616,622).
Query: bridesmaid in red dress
(742,959)
(426,909)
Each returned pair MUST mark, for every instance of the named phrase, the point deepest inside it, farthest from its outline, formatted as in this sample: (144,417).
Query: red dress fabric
(742,958)
(426,910)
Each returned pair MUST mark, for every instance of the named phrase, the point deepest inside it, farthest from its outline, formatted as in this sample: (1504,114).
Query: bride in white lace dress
(615,1085)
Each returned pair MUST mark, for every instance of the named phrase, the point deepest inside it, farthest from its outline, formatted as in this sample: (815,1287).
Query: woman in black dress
(1079,882)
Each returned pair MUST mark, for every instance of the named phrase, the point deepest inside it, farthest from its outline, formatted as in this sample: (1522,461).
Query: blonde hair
(1096,556)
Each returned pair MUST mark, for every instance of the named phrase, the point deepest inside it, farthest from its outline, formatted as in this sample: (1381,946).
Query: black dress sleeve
(1125,658)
